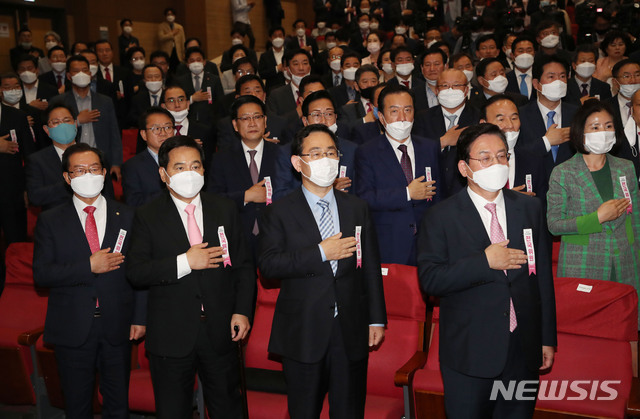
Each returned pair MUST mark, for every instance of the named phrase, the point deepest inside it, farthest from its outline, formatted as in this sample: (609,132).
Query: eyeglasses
(486,161)
(395,110)
(246,119)
(244,72)
(81,171)
(628,76)
(55,122)
(167,129)
(179,99)
(452,86)
(327,115)
(317,154)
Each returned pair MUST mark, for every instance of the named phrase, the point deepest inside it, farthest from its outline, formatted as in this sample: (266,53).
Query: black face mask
(367,93)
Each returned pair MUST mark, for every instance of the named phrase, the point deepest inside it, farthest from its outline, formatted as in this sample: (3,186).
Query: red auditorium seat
(141,398)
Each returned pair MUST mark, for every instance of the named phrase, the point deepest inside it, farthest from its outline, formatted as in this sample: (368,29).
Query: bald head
(452,76)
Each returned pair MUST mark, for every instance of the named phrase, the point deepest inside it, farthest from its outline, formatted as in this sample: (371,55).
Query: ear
(46,129)
(235,125)
(462,168)
(295,162)
(483,121)
(483,82)
(66,178)
(143,134)
(305,122)
(536,84)
(163,106)
(163,175)
(104,171)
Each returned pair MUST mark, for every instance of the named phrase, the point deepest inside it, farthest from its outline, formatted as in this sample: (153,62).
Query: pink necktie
(195,236)
(497,236)
(91,231)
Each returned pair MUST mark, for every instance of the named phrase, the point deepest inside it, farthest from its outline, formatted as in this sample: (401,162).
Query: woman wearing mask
(136,62)
(614,46)
(593,202)
(386,66)
(373,44)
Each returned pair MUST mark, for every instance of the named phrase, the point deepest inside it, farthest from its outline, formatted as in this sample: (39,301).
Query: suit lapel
(471,220)
(514,226)
(241,165)
(112,228)
(173,223)
(73,227)
(210,222)
(438,121)
(388,156)
(347,226)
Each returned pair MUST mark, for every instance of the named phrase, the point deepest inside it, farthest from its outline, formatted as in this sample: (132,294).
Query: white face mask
(321,25)
(331,45)
(585,70)
(365,10)
(138,64)
(59,67)
(479,10)
(600,142)
(363,25)
(628,90)
(451,98)
(179,116)
(335,64)
(196,67)
(349,73)
(468,74)
(550,41)
(401,30)
(81,79)
(373,47)
(323,171)
(430,43)
(555,90)
(127,29)
(492,178)
(93,69)
(333,127)
(28,77)
(387,68)
(87,185)
(300,32)
(524,61)
(297,79)
(404,69)
(187,184)
(399,130)
(512,138)
(287,76)
(236,41)
(50,44)
(12,96)
(374,26)
(431,82)
(171,18)
(153,86)
(499,84)
(278,42)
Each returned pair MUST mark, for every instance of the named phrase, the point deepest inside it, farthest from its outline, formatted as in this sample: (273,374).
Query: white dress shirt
(31,94)
(258,157)
(410,152)
(100,215)
(183,263)
(528,80)
(501,211)
(104,74)
(457,113)
(624,111)
(512,168)
(557,119)
(59,151)
(401,81)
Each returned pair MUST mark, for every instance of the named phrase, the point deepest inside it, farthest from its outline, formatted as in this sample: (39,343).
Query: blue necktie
(554,148)
(524,91)
(326,228)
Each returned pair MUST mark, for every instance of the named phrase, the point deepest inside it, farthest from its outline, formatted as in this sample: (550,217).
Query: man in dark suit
(276,125)
(391,176)
(119,77)
(463,258)
(96,115)
(301,40)
(271,65)
(521,78)
(140,178)
(402,59)
(432,64)
(145,98)
(548,118)
(35,96)
(444,123)
(582,86)
(197,84)
(25,46)
(93,311)
(242,66)
(97,85)
(490,74)
(360,112)
(324,327)
(238,173)
(346,92)
(626,76)
(359,35)
(400,10)
(188,247)
(57,76)
(285,98)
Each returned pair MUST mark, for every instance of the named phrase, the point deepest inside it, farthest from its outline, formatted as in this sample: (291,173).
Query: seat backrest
(433,355)
(256,351)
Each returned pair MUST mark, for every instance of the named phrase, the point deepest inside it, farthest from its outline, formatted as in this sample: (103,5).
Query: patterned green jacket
(589,249)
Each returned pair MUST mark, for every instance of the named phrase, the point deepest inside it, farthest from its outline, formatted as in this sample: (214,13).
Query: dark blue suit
(381,182)
(364,132)
(141,179)
(597,87)
(227,136)
(514,87)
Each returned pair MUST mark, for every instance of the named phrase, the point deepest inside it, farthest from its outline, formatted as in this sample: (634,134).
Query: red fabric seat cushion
(267,405)
(141,398)
(376,407)
(402,294)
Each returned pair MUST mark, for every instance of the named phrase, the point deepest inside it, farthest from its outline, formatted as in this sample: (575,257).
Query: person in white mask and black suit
(492,79)
(583,86)
(626,76)
(149,95)
(629,149)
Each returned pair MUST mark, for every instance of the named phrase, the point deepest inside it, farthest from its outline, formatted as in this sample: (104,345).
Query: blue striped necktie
(326,228)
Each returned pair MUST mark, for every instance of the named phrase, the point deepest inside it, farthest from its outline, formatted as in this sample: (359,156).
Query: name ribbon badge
(225,246)
(529,183)
(269,189)
(343,171)
(427,177)
(210,98)
(625,191)
(358,247)
(531,254)
(14,137)
(118,247)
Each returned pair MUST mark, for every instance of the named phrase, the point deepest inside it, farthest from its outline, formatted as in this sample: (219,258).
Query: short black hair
(620,64)
(10,75)
(471,133)
(274,29)
(158,53)
(133,50)
(75,58)
(243,100)
(243,60)
(153,110)
(28,57)
(307,80)
(235,48)
(298,139)
(585,48)
(124,21)
(193,38)
(176,142)
(589,107)
(398,50)
(169,9)
(484,38)
(390,90)
(457,57)
(494,99)
(320,94)
(74,45)
(367,68)
(434,50)
(538,64)
(349,54)
(172,86)
(382,52)
(194,50)
(289,55)
(481,67)
(80,148)
(524,38)
(151,66)
(102,41)
(247,78)
(56,48)
(51,108)
(612,36)
(298,21)
(546,24)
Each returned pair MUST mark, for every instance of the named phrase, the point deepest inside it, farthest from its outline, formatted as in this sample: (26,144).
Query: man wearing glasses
(392,176)
(93,312)
(141,180)
(239,172)
(497,311)
(331,308)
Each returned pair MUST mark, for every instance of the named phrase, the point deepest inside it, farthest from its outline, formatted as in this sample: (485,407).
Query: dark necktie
(524,90)
(178,128)
(554,148)
(336,80)
(406,83)
(585,90)
(155,100)
(253,170)
(59,77)
(107,74)
(405,162)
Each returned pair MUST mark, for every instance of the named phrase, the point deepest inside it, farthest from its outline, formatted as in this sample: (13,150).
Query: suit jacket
(205,133)
(381,182)
(105,129)
(229,176)
(267,70)
(292,43)
(626,151)
(141,179)
(430,124)
(140,102)
(597,88)
(61,263)
(50,79)
(474,299)
(587,248)
(12,182)
(204,112)
(227,136)
(45,91)
(352,114)
(173,317)
(362,133)
(167,41)
(514,87)
(281,100)
(340,95)
(395,11)
(478,99)
(309,291)
(534,165)
(531,137)
(419,89)
(120,74)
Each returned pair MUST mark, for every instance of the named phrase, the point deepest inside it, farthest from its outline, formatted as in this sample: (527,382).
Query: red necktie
(59,81)
(107,74)
(406,83)
(369,107)
(298,98)
(91,231)
(178,128)
(301,41)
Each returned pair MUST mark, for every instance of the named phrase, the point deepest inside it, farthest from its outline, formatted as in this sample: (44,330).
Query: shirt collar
(312,199)
(258,148)
(480,202)
(154,155)
(99,203)
(181,205)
